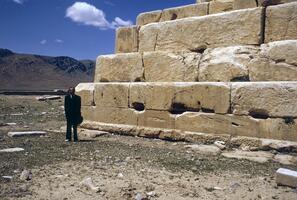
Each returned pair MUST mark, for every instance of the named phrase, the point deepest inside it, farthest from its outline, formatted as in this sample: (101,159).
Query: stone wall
(218,67)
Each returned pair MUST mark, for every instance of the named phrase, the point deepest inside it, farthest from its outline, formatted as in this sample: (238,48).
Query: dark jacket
(72,108)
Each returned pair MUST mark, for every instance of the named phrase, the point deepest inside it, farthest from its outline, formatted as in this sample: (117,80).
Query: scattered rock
(8,178)
(11,150)
(26,133)
(220,144)
(89,184)
(204,149)
(286,177)
(285,159)
(151,194)
(256,156)
(120,175)
(138,196)
(11,124)
(45,98)
(26,175)
(92,133)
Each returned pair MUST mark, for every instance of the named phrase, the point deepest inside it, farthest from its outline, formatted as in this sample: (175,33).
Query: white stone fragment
(11,150)
(286,177)
(26,133)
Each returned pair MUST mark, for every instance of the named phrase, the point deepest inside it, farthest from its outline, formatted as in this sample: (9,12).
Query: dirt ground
(121,167)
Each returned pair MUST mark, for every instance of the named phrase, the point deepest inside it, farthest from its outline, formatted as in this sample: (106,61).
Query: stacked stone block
(222,67)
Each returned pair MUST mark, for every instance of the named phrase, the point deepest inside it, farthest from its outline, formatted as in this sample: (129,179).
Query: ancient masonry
(221,67)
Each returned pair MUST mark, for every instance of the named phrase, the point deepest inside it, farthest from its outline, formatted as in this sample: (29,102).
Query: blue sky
(80,29)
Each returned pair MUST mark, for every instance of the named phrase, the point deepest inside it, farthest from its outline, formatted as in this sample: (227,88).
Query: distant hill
(36,72)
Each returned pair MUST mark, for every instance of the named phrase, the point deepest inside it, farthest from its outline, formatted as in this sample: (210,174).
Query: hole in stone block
(207,110)
(137,80)
(138,106)
(180,108)
(104,80)
(240,78)
(289,120)
(280,60)
(259,114)
(235,124)
(199,50)
(173,16)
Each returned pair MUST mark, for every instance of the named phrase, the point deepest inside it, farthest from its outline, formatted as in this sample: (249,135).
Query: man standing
(72,105)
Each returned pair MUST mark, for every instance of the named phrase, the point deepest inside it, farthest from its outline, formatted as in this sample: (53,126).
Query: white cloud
(18,1)
(59,41)
(87,14)
(119,22)
(43,42)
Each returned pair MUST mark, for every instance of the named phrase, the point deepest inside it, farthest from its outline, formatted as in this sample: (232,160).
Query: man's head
(71,90)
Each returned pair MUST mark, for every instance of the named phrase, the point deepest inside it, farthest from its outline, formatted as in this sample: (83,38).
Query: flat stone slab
(45,98)
(257,156)
(92,133)
(11,150)
(26,133)
(286,177)
(204,149)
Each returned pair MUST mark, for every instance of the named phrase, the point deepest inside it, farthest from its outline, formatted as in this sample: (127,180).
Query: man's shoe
(67,140)
(75,141)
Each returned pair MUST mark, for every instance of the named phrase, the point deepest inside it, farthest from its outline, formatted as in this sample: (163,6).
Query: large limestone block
(243,4)
(277,61)
(156,119)
(126,39)
(242,27)
(218,124)
(266,3)
(180,97)
(264,99)
(278,128)
(184,11)
(148,17)
(110,115)
(281,22)
(217,6)
(113,95)
(124,67)
(226,63)
(167,67)
(86,92)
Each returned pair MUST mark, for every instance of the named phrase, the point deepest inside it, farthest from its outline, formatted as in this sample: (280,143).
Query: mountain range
(35,72)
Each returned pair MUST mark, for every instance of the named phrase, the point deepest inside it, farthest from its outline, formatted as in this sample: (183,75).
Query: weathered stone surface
(264,99)
(242,4)
(148,17)
(204,149)
(124,67)
(278,145)
(203,1)
(217,124)
(26,133)
(11,150)
(285,159)
(184,11)
(277,61)
(166,67)
(113,95)
(86,92)
(126,39)
(157,119)
(226,63)
(279,129)
(110,115)
(256,156)
(286,177)
(224,29)
(181,97)
(217,6)
(281,22)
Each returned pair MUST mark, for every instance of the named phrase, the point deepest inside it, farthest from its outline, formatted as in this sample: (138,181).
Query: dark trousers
(68,131)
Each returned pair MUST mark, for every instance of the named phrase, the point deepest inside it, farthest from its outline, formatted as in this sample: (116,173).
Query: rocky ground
(118,167)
